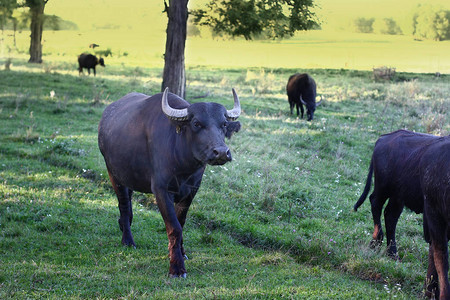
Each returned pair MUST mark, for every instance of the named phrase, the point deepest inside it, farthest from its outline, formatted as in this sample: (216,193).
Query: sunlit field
(314,49)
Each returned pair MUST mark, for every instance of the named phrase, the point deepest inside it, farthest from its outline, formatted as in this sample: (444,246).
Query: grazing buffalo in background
(435,181)
(394,162)
(161,144)
(301,90)
(89,61)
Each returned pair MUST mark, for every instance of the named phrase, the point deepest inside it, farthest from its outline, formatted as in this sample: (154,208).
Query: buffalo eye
(197,124)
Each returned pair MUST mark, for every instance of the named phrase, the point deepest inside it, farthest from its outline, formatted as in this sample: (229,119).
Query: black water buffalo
(435,181)
(161,144)
(394,162)
(89,61)
(301,90)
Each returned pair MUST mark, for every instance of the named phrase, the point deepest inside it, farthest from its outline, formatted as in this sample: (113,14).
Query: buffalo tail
(366,188)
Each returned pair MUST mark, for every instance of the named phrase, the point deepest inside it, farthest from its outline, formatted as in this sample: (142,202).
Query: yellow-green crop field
(313,49)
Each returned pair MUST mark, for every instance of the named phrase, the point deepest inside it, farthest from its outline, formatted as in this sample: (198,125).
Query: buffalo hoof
(375,244)
(178,276)
(394,256)
(129,243)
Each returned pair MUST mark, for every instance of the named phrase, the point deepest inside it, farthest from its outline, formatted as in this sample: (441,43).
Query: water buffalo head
(310,104)
(205,126)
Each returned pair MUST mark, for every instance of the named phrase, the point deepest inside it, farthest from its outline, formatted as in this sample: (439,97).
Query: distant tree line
(427,22)
(424,22)
(21,20)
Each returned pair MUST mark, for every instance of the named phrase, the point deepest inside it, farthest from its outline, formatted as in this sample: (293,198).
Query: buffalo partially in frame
(394,165)
(434,170)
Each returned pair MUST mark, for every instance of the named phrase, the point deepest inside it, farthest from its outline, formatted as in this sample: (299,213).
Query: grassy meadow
(276,222)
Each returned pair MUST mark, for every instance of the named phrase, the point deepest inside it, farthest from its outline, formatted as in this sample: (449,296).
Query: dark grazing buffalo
(89,61)
(435,181)
(394,163)
(301,90)
(161,144)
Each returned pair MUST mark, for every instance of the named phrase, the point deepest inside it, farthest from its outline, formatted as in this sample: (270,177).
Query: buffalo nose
(222,154)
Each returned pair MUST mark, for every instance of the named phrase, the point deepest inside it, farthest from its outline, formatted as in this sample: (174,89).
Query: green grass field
(277,222)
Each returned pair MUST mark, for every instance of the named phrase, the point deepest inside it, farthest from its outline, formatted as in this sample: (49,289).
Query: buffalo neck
(183,156)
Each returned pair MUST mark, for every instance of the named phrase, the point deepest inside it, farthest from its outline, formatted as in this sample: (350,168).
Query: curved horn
(303,102)
(321,99)
(234,113)
(172,113)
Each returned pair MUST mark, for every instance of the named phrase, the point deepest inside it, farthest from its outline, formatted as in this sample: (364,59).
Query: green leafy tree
(442,25)
(245,18)
(363,25)
(52,22)
(430,22)
(7,8)
(36,13)
(386,26)
(249,19)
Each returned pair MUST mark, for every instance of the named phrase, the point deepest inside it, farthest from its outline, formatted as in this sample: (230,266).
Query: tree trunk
(15,30)
(174,76)
(37,22)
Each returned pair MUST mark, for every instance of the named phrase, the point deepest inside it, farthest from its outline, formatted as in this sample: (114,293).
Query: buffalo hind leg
(376,208)
(440,258)
(437,275)
(126,212)
(391,214)
(431,283)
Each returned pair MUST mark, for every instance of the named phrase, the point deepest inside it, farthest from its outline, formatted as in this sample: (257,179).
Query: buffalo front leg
(301,109)
(181,216)
(126,213)
(174,232)
(181,209)
(291,106)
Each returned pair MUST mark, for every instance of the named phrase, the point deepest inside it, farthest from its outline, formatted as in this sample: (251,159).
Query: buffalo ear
(180,126)
(232,128)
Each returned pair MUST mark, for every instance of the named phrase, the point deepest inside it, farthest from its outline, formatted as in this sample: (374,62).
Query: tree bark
(36,27)
(174,76)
